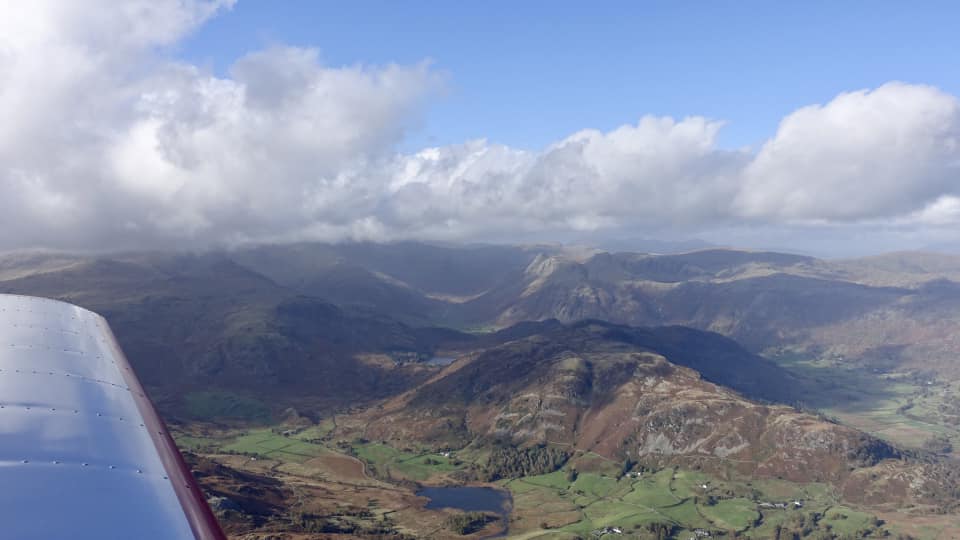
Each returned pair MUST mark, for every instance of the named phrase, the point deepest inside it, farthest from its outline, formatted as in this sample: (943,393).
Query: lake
(440,361)
(471,499)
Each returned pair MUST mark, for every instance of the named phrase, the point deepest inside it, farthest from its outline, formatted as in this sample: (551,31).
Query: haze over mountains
(289,302)
(882,311)
(682,360)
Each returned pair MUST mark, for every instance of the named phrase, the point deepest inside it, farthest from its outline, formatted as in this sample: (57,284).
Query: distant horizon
(669,248)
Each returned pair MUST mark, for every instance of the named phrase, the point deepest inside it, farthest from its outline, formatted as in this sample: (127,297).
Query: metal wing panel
(82,452)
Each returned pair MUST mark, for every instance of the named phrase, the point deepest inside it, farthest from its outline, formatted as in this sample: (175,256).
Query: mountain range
(275,314)
(658,359)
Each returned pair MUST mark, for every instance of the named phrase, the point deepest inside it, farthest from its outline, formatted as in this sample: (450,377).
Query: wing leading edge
(83,453)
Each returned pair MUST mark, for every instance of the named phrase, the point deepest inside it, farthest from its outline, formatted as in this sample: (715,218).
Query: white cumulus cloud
(109,142)
(866,154)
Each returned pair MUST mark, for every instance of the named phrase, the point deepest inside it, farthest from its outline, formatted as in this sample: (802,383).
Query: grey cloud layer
(109,143)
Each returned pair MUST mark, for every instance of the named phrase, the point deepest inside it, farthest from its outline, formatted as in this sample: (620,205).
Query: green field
(263,442)
(846,520)
(317,432)
(593,486)
(196,444)
(676,497)
(300,445)
(736,514)
(653,491)
(418,466)
(268,444)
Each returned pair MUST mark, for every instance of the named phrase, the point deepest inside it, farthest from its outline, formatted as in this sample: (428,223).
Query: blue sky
(814,126)
(529,73)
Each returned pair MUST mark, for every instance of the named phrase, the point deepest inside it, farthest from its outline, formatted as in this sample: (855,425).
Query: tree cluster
(466,523)
(513,462)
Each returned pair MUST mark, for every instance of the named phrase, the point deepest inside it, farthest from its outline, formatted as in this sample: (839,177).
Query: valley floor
(353,488)
(910,409)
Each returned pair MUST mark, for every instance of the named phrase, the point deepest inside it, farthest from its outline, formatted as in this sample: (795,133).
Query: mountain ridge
(587,390)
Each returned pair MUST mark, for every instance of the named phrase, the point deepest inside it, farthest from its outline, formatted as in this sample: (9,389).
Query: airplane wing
(83,453)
